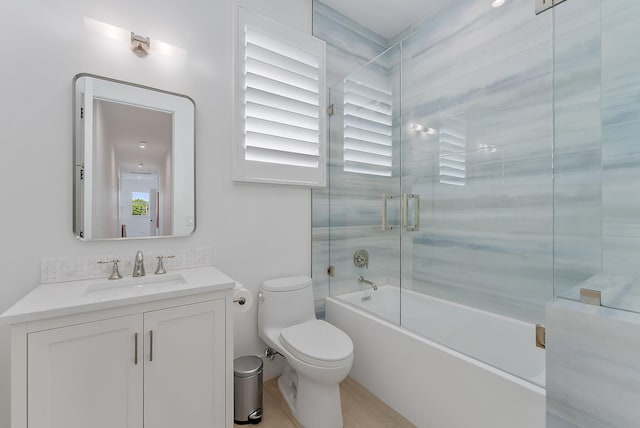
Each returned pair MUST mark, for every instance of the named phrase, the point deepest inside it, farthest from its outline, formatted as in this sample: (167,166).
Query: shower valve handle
(361,259)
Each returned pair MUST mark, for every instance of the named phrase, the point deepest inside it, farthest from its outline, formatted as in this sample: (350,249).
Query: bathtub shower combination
(469,162)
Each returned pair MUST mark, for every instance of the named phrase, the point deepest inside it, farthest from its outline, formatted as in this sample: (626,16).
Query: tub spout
(363,281)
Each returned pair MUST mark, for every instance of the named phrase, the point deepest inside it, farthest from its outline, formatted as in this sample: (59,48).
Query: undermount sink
(137,282)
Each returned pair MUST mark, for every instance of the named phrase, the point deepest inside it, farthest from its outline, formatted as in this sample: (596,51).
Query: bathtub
(495,382)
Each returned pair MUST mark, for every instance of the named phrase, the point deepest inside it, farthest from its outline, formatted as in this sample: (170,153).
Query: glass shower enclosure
(488,160)
(441,154)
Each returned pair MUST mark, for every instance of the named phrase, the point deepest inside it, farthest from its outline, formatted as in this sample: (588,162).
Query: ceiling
(386,17)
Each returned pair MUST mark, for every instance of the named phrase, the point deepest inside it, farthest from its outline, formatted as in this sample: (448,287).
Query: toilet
(317,355)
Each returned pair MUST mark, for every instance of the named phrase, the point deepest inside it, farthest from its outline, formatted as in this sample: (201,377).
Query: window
(281,104)
(139,203)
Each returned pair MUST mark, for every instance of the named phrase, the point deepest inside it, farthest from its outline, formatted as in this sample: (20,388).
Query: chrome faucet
(138,265)
(371,284)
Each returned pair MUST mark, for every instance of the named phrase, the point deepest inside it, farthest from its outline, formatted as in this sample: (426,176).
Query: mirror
(133,160)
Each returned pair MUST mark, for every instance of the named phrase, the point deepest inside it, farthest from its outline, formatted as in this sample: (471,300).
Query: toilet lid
(317,342)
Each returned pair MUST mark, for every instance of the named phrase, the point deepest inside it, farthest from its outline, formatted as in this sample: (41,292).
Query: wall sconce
(141,46)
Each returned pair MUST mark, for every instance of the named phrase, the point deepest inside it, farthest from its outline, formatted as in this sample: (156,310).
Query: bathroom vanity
(153,352)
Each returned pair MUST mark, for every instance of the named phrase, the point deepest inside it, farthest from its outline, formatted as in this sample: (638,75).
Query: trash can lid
(247,366)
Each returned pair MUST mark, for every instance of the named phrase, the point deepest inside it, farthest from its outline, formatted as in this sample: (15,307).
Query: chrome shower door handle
(416,212)
(385,219)
(405,212)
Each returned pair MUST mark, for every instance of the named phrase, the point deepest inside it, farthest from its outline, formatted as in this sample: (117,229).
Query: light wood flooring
(360,409)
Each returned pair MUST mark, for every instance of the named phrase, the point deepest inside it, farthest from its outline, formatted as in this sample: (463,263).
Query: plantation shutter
(281,103)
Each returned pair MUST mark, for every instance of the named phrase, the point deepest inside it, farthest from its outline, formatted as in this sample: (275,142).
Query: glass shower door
(597,156)
(477,153)
(364,174)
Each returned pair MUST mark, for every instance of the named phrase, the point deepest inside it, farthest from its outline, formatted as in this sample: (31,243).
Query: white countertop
(74,297)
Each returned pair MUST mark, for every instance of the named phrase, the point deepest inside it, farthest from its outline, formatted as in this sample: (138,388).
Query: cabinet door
(86,375)
(184,381)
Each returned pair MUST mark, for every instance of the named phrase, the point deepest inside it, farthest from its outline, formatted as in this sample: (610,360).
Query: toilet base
(313,404)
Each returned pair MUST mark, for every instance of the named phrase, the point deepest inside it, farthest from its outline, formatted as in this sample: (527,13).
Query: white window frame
(265,172)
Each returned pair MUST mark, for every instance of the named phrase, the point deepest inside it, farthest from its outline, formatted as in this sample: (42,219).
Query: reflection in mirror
(134,161)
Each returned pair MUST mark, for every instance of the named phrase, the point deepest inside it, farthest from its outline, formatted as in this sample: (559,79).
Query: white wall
(166,197)
(257,231)
(105,180)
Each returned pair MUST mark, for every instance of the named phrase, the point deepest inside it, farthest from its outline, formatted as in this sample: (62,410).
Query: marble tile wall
(593,370)
(550,123)
(349,47)
(349,44)
(488,243)
(620,129)
(578,142)
(597,120)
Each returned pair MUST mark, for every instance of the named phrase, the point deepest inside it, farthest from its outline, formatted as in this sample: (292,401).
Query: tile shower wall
(356,198)
(592,351)
(620,130)
(578,142)
(593,372)
(487,243)
(597,154)
(349,46)
(485,75)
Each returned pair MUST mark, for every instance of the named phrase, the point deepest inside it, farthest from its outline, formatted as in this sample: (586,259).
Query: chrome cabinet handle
(135,354)
(150,345)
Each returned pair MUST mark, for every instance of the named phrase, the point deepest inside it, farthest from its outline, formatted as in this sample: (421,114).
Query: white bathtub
(433,385)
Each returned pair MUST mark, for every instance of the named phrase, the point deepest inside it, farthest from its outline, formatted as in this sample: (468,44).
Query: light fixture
(491,148)
(421,128)
(497,3)
(143,144)
(140,165)
(140,45)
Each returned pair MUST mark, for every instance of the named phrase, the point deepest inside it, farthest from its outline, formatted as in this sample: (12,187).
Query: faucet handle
(115,273)
(160,269)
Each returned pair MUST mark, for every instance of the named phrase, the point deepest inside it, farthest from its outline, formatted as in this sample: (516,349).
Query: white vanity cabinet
(85,376)
(148,363)
(184,366)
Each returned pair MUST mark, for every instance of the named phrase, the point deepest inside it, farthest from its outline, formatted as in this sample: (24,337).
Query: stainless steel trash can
(247,390)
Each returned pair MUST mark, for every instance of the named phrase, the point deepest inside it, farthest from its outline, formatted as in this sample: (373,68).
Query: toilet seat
(319,343)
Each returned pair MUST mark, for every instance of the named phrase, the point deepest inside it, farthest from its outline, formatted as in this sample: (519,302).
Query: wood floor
(360,409)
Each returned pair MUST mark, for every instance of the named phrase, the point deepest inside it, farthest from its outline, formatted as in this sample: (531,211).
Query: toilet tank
(285,302)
